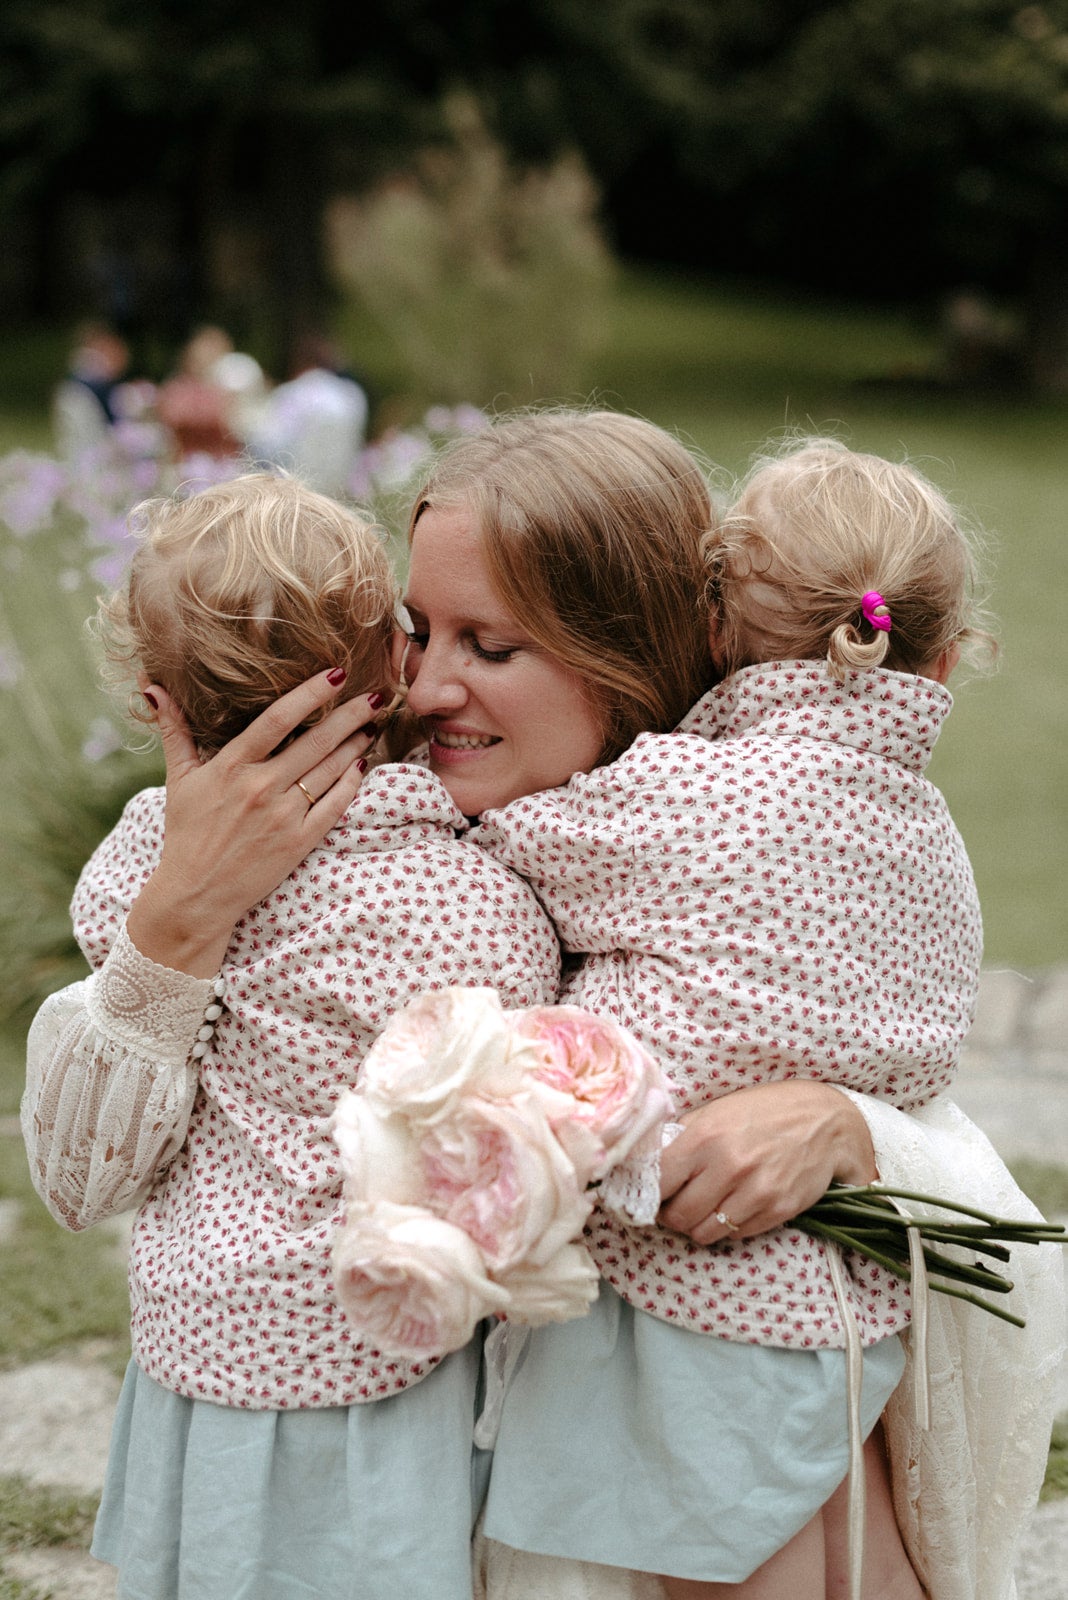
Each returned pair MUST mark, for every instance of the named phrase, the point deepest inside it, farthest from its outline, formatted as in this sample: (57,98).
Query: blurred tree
(895,146)
(234,109)
(899,146)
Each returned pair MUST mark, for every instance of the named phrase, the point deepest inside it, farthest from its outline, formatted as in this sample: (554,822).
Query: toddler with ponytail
(830,554)
(772,891)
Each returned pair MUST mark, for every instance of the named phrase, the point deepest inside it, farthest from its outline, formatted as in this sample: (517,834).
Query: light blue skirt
(362,1502)
(636,1443)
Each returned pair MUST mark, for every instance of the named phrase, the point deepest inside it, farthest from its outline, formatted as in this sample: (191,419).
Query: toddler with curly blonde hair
(249,1389)
(243,591)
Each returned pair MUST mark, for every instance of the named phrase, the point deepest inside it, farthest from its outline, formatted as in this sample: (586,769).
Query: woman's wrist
(179,926)
(854,1161)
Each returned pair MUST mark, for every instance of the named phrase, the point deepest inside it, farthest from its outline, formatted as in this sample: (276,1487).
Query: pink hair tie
(876,611)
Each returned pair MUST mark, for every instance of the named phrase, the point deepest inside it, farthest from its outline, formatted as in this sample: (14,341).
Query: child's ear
(715,648)
(942,667)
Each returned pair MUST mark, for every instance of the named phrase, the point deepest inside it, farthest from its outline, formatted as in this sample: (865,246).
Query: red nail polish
(150,697)
(375,700)
(336,676)
(362,764)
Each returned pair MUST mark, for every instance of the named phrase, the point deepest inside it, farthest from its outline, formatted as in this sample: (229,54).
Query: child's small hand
(237,825)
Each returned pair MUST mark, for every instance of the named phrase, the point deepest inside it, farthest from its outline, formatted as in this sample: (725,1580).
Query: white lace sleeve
(110,1084)
(965,1487)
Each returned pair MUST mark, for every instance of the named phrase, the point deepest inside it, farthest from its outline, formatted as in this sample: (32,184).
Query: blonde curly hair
(815,528)
(241,592)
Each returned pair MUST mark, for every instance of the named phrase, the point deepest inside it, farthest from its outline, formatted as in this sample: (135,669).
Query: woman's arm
(111,1065)
(760,1156)
(110,1082)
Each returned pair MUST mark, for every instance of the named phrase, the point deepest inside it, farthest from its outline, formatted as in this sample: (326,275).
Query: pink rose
(619,1091)
(500,1172)
(444,1044)
(413,1285)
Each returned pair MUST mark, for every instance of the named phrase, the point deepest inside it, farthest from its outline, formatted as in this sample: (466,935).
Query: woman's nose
(432,687)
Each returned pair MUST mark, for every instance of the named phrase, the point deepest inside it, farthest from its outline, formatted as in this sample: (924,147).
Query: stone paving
(55,1415)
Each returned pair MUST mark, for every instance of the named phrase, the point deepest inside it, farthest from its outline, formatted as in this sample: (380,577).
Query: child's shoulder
(400,794)
(141,818)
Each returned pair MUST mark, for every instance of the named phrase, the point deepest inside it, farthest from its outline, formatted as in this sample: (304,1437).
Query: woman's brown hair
(592,523)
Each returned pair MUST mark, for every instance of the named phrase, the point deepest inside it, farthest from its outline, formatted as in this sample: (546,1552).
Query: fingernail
(375,700)
(336,676)
(370,730)
(361,765)
(150,697)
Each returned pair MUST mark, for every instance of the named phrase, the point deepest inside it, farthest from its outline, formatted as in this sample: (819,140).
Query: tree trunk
(1046,315)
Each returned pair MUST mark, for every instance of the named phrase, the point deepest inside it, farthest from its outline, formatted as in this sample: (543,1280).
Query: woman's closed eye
(489,652)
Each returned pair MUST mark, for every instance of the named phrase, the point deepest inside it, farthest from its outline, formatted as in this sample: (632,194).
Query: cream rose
(559,1289)
(443,1045)
(414,1285)
(379,1153)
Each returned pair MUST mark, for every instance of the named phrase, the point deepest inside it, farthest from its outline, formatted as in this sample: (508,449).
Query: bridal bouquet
(469,1148)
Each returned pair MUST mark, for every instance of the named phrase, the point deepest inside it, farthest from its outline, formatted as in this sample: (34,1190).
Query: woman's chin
(470,780)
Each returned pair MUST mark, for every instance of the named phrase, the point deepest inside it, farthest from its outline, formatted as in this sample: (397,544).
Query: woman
(537,696)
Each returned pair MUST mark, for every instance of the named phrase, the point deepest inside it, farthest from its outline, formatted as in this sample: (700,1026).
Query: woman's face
(503,717)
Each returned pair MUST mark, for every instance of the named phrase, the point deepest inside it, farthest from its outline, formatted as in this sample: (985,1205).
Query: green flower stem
(899,1265)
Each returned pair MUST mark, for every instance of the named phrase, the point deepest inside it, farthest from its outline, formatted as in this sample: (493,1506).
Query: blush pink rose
(619,1092)
(500,1172)
(414,1285)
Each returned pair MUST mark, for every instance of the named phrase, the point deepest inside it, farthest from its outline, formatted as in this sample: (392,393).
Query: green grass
(34,1518)
(1046,1185)
(1055,1486)
(58,1290)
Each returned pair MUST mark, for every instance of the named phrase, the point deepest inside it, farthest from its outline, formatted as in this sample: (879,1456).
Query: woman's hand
(759,1156)
(237,825)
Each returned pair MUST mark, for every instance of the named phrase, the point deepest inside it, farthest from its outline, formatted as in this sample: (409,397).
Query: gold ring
(309,797)
(725,1221)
